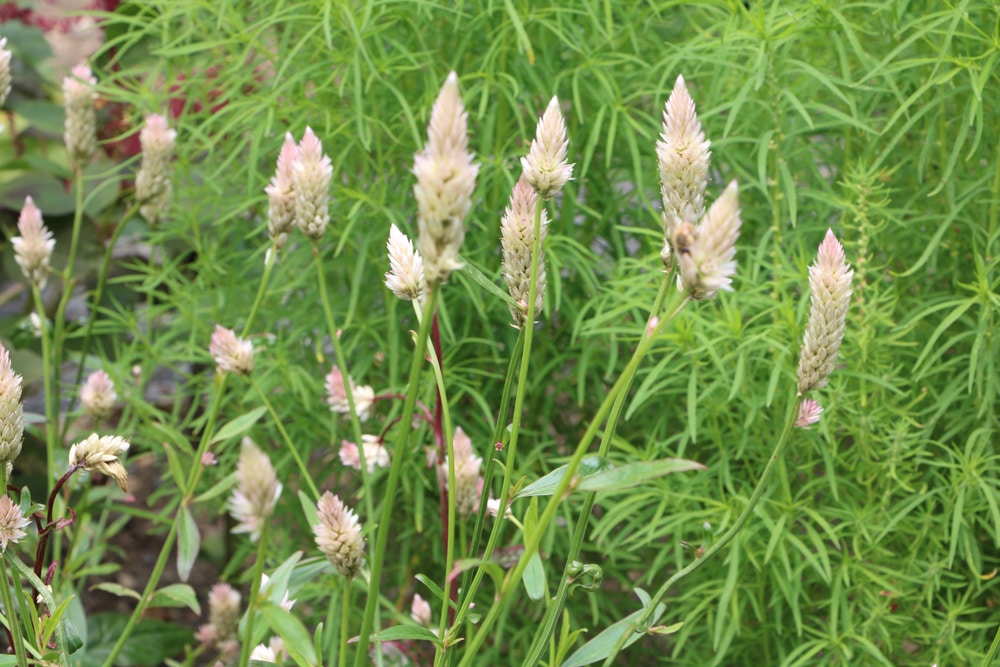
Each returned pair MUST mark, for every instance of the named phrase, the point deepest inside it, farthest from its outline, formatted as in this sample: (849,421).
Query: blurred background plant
(877,545)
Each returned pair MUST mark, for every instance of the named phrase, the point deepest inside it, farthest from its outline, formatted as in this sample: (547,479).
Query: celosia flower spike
(338,535)
(153,183)
(11,411)
(102,454)
(281,194)
(80,133)
(5,77)
(809,412)
(12,522)
(683,159)
(376,455)
(231,353)
(336,395)
(545,166)
(311,174)
(830,288)
(97,395)
(257,491)
(33,248)
(468,482)
(406,275)
(446,177)
(706,255)
(517,234)
(223,620)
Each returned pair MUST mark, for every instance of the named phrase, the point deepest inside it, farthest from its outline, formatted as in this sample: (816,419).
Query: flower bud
(97,395)
(12,522)
(231,353)
(809,412)
(336,395)
(517,236)
(102,454)
(468,482)
(376,455)
(338,535)
(311,174)
(11,410)
(33,248)
(406,275)
(545,166)
(706,255)
(80,96)
(153,184)
(281,195)
(257,491)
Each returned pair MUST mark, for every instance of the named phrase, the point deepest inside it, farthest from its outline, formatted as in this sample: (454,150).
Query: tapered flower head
(545,166)
(809,412)
(706,254)
(830,289)
(257,491)
(12,522)
(102,454)
(683,159)
(80,96)
(33,248)
(517,235)
(223,618)
(406,276)
(468,482)
(281,194)
(153,184)
(5,77)
(376,455)
(336,395)
(311,174)
(97,395)
(338,535)
(446,177)
(231,353)
(11,410)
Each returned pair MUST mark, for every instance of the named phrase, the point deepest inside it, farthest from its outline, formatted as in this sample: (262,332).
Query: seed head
(153,185)
(311,174)
(11,411)
(830,288)
(97,395)
(545,166)
(5,77)
(12,522)
(79,97)
(446,177)
(338,536)
(517,235)
(376,455)
(336,395)
(33,248)
(706,255)
(406,276)
(468,482)
(281,194)
(257,491)
(683,159)
(102,454)
(231,353)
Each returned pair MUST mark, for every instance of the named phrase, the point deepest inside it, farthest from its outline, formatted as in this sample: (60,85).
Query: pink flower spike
(231,353)
(809,412)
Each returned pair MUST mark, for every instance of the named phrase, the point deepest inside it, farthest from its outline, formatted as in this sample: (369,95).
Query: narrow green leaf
(176,595)
(600,647)
(116,589)
(534,578)
(297,640)
(239,425)
(633,474)
(546,485)
(188,543)
(398,632)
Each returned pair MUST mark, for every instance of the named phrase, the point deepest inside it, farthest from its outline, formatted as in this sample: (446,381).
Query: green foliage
(876,543)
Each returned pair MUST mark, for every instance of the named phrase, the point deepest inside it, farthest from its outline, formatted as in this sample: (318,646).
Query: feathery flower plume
(5,77)
(468,482)
(809,412)
(336,395)
(420,610)
(517,236)
(406,275)
(281,195)
(706,255)
(338,535)
(376,455)
(231,353)
(33,248)
(102,453)
(545,166)
(12,523)
(11,411)
(80,130)
(153,185)
(683,158)
(223,620)
(257,491)
(830,288)
(97,395)
(311,174)
(446,177)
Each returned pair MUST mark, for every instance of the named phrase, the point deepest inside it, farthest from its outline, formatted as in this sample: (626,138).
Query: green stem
(258,570)
(513,577)
(726,538)
(289,444)
(8,604)
(345,601)
(389,496)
